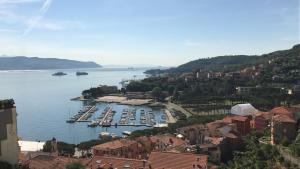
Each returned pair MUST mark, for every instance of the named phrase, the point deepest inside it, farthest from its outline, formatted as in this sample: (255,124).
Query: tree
(75,165)
(157,93)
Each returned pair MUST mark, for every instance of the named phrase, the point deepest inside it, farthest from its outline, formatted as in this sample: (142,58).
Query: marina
(129,116)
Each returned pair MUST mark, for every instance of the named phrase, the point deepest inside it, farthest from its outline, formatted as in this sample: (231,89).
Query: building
(169,160)
(284,127)
(242,124)
(243,110)
(9,149)
(119,148)
(212,150)
(262,120)
(194,134)
(244,90)
(166,142)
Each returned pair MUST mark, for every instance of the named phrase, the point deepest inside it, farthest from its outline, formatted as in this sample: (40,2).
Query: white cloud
(17,1)
(43,10)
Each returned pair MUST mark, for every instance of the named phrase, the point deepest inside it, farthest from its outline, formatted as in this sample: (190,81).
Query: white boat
(104,134)
(127,133)
(93,124)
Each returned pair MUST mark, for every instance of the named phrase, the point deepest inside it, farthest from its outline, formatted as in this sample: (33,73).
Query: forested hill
(229,63)
(34,63)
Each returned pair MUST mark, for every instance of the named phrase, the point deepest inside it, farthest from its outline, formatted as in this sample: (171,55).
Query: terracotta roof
(115,144)
(167,139)
(239,118)
(50,162)
(284,119)
(285,110)
(168,160)
(214,140)
(201,126)
(106,162)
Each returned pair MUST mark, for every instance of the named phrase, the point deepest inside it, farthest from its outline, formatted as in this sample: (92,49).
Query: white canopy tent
(244,110)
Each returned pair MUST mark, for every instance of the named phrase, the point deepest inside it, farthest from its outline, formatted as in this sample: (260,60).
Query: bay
(43,101)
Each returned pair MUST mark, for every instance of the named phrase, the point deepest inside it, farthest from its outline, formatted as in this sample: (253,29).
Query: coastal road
(172,106)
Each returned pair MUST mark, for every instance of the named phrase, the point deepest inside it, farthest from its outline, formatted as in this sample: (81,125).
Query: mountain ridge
(225,63)
(36,63)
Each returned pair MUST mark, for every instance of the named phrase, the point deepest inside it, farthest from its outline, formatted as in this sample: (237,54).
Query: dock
(86,115)
(83,115)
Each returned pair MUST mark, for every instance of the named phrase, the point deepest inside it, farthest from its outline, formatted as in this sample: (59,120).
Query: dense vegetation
(75,165)
(69,149)
(257,156)
(277,72)
(228,63)
(62,147)
(95,92)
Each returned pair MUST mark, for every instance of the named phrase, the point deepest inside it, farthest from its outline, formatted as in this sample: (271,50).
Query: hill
(228,63)
(34,63)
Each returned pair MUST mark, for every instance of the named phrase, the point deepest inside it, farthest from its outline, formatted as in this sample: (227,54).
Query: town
(229,117)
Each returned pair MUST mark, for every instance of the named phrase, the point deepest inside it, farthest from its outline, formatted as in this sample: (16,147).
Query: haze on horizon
(148,32)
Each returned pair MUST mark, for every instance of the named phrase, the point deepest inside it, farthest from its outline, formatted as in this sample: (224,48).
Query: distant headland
(35,63)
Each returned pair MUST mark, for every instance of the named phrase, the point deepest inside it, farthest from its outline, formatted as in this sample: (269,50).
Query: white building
(9,149)
(244,110)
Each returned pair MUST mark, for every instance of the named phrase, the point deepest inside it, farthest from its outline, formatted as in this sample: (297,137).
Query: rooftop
(284,118)
(107,162)
(7,104)
(170,160)
(167,139)
(285,110)
(115,144)
(50,162)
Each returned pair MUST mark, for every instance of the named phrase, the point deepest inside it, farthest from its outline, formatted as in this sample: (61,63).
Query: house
(212,150)
(242,124)
(284,127)
(292,112)
(166,142)
(170,160)
(262,120)
(119,148)
(194,134)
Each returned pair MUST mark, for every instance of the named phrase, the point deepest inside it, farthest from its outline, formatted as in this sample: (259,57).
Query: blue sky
(152,32)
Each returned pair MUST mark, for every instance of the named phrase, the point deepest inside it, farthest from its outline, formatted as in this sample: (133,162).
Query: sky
(146,32)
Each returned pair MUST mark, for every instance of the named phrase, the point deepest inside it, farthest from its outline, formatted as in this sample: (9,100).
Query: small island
(81,73)
(59,74)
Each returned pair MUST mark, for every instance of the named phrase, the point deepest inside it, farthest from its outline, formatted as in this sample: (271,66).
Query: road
(172,106)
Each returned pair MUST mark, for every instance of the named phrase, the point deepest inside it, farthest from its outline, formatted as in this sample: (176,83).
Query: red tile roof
(284,119)
(50,162)
(115,144)
(167,139)
(168,160)
(120,163)
(285,110)
(214,140)
(239,118)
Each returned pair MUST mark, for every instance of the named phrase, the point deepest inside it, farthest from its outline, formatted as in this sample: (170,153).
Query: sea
(43,102)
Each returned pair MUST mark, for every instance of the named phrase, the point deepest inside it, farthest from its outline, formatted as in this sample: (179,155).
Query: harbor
(115,119)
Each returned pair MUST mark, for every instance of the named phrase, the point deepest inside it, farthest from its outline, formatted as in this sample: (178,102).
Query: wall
(9,143)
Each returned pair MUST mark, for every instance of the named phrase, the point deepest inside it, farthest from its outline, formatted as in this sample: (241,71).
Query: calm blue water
(43,102)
